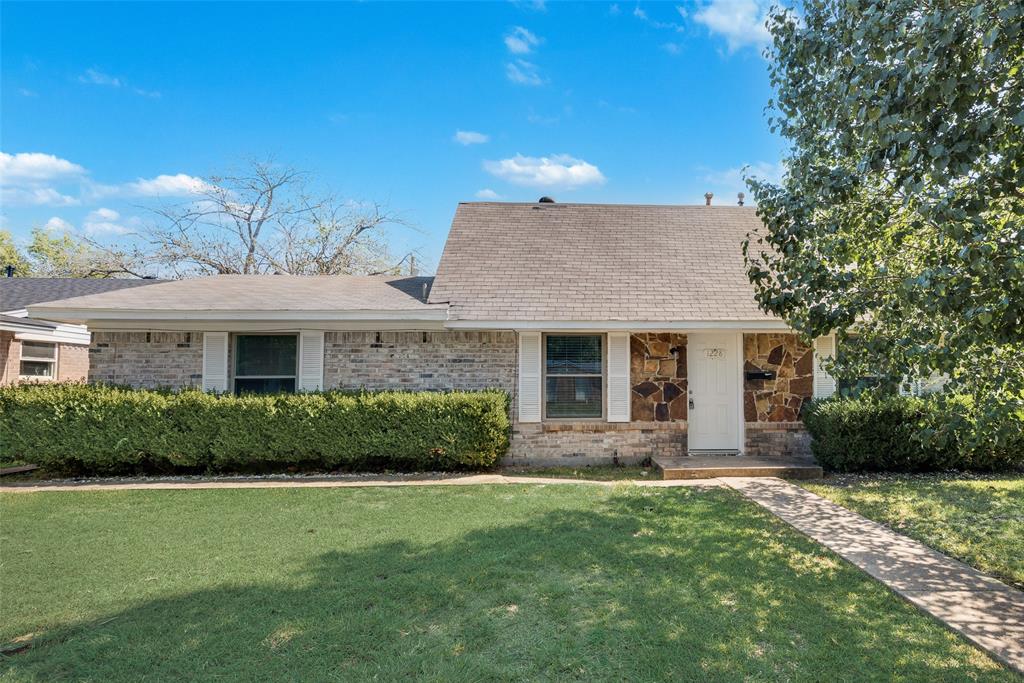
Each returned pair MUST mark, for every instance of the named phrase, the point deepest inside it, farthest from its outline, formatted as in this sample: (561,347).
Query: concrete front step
(712,466)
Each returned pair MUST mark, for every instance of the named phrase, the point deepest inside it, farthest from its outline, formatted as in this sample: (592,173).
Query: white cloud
(35,167)
(520,41)
(96,77)
(35,196)
(672,48)
(487,193)
(58,224)
(470,137)
(25,92)
(740,22)
(178,185)
(614,10)
(557,171)
(523,73)
(535,5)
(104,221)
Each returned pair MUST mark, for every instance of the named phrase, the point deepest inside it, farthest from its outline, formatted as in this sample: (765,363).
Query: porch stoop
(711,466)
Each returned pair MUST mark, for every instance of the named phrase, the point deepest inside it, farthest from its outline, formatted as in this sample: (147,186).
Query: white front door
(713,371)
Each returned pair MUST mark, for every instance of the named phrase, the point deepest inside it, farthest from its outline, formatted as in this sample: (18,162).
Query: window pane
(36,368)
(573,397)
(273,354)
(40,350)
(574,354)
(265,386)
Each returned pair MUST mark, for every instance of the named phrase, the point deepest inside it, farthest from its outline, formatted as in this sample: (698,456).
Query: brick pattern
(420,361)
(72,363)
(10,358)
(779,439)
(147,360)
(594,443)
(780,399)
(657,375)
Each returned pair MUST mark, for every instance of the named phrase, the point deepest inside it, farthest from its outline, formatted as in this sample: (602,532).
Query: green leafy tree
(50,254)
(10,255)
(899,220)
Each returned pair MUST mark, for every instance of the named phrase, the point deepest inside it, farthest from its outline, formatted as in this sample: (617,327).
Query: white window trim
(55,362)
(544,377)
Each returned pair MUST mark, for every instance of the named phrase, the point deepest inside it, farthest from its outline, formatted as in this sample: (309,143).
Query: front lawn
(977,519)
(523,582)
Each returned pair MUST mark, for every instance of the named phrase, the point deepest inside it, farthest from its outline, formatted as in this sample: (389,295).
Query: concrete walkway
(340,481)
(985,611)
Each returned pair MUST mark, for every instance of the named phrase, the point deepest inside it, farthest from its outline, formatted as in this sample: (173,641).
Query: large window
(38,360)
(573,376)
(265,363)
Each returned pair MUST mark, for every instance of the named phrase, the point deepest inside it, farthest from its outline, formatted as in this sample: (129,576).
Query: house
(37,349)
(620,331)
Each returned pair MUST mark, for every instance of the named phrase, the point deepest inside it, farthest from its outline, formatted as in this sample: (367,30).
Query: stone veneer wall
(420,361)
(147,360)
(657,374)
(771,408)
(780,399)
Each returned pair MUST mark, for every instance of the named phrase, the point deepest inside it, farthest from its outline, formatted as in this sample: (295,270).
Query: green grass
(523,582)
(976,519)
(594,472)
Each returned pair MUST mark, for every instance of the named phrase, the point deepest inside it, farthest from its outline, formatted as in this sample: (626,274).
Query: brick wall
(420,360)
(72,362)
(573,444)
(766,439)
(10,358)
(147,360)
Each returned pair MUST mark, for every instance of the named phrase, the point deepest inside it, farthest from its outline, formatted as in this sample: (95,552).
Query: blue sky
(109,109)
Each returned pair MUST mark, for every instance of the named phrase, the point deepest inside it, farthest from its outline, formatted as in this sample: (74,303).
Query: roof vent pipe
(740,197)
(9,270)
(545,200)
(707,198)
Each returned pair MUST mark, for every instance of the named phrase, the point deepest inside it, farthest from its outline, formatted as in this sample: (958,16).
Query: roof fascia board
(636,326)
(263,326)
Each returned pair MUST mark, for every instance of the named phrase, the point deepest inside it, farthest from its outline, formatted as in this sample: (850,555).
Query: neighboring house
(620,331)
(39,350)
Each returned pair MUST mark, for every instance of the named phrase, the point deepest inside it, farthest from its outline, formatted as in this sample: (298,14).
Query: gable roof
(18,292)
(296,296)
(597,262)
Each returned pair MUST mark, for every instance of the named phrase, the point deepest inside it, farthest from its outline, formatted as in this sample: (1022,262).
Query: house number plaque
(714,353)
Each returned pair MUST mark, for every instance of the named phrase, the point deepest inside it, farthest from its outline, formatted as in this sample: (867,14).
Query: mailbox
(761,374)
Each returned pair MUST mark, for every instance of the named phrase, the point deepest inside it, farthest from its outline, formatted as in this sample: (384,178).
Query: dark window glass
(262,355)
(32,368)
(574,355)
(573,396)
(266,385)
(573,367)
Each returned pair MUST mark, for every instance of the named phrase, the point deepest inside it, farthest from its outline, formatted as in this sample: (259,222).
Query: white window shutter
(311,360)
(618,377)
(215,362)
(824,383)
(529,376)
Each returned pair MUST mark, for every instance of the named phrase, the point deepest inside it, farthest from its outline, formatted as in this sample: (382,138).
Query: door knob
(691,404)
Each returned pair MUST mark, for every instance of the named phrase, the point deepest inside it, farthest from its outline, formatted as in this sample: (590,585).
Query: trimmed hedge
(78,428)
(902,434)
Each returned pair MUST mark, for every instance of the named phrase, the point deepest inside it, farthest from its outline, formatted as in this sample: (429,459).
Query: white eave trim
(604,325)
(167,316)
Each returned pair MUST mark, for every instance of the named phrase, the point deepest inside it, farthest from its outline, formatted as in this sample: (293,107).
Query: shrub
(903,434)
(101,429)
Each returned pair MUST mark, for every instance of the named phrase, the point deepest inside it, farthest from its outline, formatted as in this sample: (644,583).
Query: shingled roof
(261,293)
(596,262)
(18,292)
